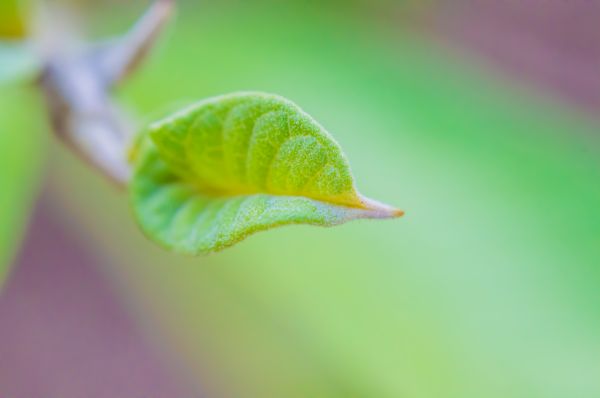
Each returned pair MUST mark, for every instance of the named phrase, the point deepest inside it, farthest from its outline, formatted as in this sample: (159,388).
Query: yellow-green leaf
(230,166)
(13,18)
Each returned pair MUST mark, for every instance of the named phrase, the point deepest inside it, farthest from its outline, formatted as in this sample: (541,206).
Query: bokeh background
(478,117)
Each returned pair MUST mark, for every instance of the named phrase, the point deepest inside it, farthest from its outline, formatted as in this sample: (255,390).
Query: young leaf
(230,166)
(13,16)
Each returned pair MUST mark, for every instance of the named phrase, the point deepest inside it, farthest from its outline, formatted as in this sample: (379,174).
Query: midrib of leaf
(243,191)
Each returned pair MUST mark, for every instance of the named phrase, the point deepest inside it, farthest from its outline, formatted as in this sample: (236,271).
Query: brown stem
(78,86)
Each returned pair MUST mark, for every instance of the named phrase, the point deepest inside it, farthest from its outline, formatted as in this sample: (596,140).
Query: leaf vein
(251,137)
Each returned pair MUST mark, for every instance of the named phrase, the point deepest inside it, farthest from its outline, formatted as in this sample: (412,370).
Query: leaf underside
(230,166)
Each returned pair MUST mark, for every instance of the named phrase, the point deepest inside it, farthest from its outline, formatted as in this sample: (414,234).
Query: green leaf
(21,146)
(13,18)
(230,166)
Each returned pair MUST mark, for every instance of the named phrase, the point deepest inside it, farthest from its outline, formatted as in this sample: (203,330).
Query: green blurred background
(488,287)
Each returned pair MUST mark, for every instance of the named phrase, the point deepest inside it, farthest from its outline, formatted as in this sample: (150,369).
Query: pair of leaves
(230,166)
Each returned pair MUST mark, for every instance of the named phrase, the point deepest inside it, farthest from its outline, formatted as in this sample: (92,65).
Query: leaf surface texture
(230,166)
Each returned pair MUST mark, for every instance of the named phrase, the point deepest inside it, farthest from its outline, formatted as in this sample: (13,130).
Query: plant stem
(78,83)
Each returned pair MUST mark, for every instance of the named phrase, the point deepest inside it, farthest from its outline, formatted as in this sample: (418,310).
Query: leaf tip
(378,209)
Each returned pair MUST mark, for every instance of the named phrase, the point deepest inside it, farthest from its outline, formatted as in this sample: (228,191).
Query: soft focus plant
(204,178)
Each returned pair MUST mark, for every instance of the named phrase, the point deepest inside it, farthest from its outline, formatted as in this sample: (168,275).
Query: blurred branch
(119,59)
(78,83)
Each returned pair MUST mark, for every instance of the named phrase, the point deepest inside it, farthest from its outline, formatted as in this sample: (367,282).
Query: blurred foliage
(13,20)
(17,62)
(20,153)
(488,287)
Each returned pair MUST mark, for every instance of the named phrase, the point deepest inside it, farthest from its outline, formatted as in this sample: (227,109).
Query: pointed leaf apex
(378,209)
